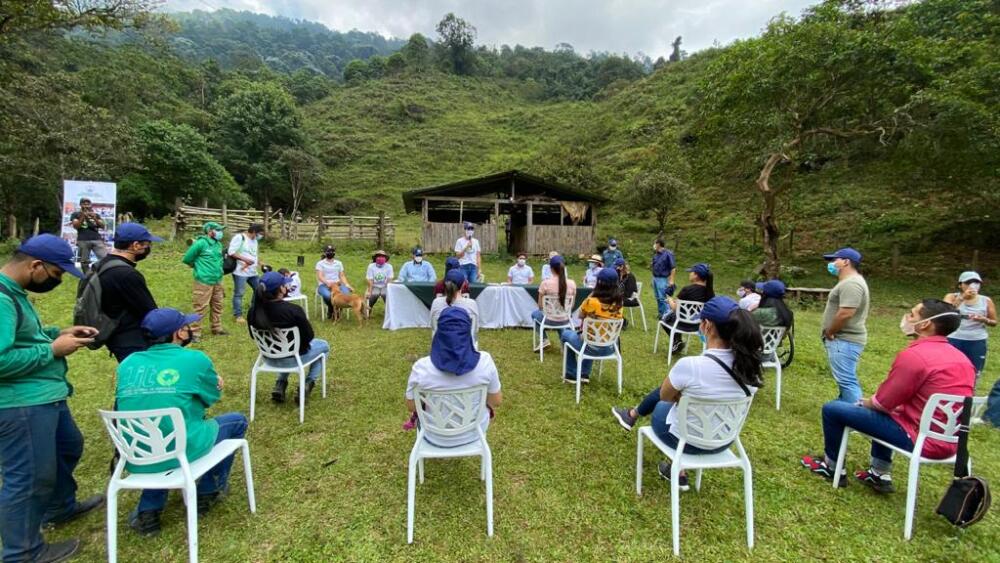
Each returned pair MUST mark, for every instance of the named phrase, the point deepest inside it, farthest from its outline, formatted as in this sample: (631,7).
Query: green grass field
(335,487)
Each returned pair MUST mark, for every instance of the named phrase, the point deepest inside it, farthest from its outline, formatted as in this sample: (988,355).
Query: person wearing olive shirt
(88,224)
(205,257)
(169,376)
(40,444)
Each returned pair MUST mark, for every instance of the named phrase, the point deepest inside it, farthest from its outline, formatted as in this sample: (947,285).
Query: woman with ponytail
(701,289)
(558,284)
(730,363)
(605,302)
(454,285)
(270,311)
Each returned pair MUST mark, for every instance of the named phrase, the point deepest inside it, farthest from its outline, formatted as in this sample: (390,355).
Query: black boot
(278,393)
(309,388)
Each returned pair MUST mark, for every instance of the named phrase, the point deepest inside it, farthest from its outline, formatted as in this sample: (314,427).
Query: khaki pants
(205,295)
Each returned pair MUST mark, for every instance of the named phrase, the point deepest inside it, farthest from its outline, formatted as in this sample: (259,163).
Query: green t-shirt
(850,292)
(205,256)
(29,373)
(164,376)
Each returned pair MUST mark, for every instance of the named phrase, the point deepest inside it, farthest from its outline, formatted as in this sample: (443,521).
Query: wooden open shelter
(529,214)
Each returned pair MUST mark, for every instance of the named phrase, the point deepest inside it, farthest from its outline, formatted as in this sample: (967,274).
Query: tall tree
(457,38)
(22,16)
(416,52)
(304,173)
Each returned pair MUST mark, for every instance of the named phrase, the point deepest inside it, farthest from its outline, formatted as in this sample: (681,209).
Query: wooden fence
(380,229)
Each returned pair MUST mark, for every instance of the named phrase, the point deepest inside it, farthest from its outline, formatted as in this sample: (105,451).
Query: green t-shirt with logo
(851,292)
(164,376)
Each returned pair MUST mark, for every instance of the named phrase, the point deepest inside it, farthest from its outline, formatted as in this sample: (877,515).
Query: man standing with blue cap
(169,376)
(40,444)
(844,332)
(469,253)
(611,253)
(124,293)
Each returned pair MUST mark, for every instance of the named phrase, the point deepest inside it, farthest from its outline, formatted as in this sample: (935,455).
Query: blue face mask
(702,337)
(218,235)
(832,268)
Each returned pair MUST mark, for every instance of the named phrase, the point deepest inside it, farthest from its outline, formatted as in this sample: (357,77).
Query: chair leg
(638,464)
(579,375)
(777,384)
(642,313)
(324,375)
(488,464)
(192,522)
(253,390)
(697,481)
(619,361)
(840,458)
(302,396)
(112,517)
(420,470)
(911,496)
(248,475)
(675,505)
(482,468)
(411,493)
(748,501)
(656,341)
(670,347)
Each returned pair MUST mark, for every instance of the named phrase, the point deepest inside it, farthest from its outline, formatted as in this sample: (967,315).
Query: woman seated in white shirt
(749,298)
(729,368)
(454,280)
(454,363)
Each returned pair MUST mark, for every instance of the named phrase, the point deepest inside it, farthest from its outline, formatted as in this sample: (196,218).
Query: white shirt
(242,245)
(750,302)
(520,275)
(590,277)
(331,269)
(379,275)
(441,303)
(426,376)
(469,254)
(295,288)
(702,378)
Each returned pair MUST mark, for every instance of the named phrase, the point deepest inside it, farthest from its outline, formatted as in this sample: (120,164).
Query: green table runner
(424,291)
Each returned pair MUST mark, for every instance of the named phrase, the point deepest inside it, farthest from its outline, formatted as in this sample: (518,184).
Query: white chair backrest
(551,307)
(711,423)
(689,311)
(450,413)
(772,337)
(638,289)
(601,332)
(940,417)
(139,438)
(277,343)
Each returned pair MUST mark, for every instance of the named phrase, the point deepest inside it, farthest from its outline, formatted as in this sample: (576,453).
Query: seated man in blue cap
(169,375)
(417,269)
(40,444)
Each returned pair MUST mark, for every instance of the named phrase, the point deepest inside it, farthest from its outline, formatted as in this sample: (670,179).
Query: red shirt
(927,366)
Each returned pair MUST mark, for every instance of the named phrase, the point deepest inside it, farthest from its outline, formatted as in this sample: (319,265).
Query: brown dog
(350,301)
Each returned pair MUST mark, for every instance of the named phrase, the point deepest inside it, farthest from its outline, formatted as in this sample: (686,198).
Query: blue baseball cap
(772,288)
(451,263)
(619,262)
(51,249)
(718,309)
(455,276)
(418,251)
(607,275)
(134,232)
(273,280)
(162,322)
(612,242)
(468,225)
(702,269)
(556,260)
(847,252)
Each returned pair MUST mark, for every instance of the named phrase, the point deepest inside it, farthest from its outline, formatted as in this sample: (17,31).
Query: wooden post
(204,202)
(178,217)
(975,259)
(34,231)
(320,228)
(11,226)
(531,231)
(461,209)
(350,229)
(225,214)
(380,230)
(895,260)
(423,209)
(267,217)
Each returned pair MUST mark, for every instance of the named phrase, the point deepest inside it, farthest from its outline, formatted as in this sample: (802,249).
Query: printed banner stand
(103,196)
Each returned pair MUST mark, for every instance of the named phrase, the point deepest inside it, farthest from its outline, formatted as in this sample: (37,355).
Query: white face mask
(418,259)
(974,288)
(741,292)
(520,261)
(909,328)
(469,233)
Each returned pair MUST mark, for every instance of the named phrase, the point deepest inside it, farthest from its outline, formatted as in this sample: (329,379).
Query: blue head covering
(451,263)
(452,350)
(455,276)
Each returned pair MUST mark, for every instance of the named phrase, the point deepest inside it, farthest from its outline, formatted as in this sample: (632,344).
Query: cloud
(631,26)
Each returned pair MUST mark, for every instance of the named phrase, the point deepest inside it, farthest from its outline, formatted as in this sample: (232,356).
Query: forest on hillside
(889,110)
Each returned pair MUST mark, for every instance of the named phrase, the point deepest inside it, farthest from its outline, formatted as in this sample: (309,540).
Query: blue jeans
(843,357)
(537,315)
(240,284)
(838,414)
(661,289)
(324,292)
(317,348)
(975,350)
(471,272)
(231,425)
(575,340)
(652,405)
(40,446)
(992,414)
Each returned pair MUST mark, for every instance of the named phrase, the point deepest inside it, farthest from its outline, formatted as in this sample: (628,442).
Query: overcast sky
(619,26)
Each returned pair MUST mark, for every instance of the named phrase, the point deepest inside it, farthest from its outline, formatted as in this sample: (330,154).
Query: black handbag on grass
(968,497)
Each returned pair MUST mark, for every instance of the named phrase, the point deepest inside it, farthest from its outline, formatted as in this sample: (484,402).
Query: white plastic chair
(446,414)
(642,310)
(715,423)
(597,333)
(140,441)
(769,357)
(277,344)
(950,408)
(302,301)
(550,308)
(687,312)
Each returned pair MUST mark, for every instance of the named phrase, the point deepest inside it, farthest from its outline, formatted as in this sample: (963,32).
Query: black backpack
(88,310)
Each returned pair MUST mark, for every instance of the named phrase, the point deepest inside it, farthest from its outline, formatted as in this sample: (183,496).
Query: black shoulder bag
(228,262)
(729,370)
(968,497)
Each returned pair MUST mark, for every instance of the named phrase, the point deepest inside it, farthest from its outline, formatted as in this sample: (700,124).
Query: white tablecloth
(500,306)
